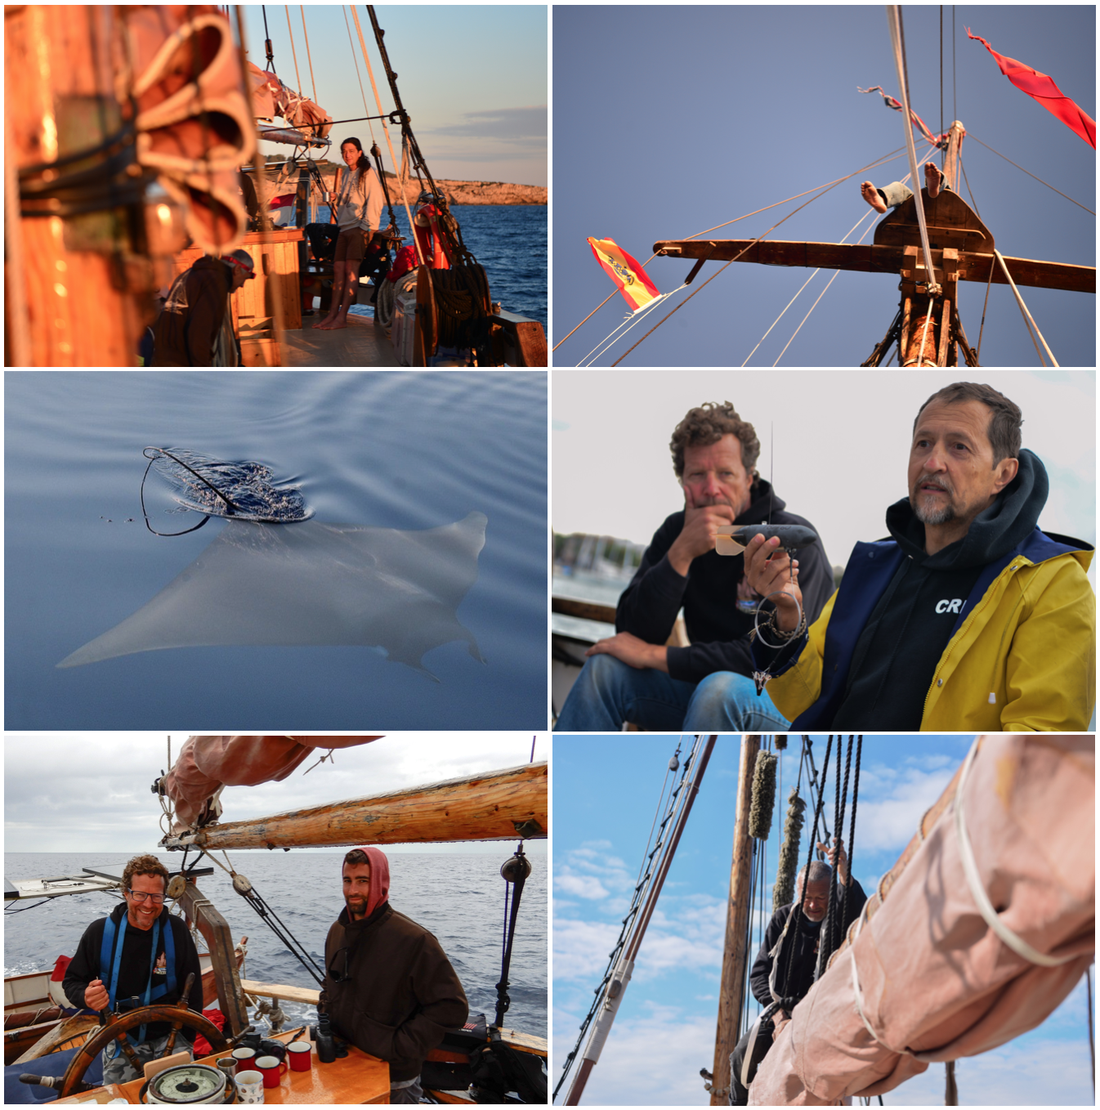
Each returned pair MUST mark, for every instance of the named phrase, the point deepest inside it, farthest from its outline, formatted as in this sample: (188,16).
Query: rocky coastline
(464,192)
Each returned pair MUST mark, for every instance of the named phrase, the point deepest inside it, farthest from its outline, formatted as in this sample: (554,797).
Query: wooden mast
(86,293)
(499,805)
(735,955)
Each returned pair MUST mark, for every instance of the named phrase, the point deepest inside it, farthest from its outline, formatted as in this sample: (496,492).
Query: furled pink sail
(926,974)
(207,763)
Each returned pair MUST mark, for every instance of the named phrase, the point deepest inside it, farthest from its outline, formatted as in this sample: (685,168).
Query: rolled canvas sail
(933,979)
(208,763)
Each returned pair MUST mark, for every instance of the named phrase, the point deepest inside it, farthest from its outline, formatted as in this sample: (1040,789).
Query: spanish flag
(625,272)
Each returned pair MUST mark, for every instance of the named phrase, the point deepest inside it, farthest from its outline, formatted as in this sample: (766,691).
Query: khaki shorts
(350,245)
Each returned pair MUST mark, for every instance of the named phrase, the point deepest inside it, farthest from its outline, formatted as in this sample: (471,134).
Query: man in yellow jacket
(969,619)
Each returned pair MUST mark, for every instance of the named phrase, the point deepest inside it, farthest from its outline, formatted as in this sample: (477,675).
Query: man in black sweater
(707,686)
(138,956)
(783,977)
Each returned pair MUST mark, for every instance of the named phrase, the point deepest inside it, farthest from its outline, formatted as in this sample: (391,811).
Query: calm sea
(402,450)
(459,897)
(509,240)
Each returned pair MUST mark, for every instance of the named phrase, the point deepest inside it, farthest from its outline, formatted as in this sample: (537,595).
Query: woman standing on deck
(356,208)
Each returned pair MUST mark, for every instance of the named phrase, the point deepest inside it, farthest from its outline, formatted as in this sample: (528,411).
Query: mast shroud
(498,805)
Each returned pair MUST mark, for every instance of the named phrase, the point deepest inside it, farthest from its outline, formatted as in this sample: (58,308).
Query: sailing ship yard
(718,141)
(673,1021)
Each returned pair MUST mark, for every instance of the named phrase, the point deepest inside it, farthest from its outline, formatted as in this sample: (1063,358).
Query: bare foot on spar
(872,197)
(933,179)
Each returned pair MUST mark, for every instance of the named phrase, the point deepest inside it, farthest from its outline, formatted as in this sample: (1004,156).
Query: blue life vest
(110,956)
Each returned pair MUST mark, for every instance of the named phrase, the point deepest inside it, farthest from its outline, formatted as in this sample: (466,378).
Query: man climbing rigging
(778,974)
(896,193)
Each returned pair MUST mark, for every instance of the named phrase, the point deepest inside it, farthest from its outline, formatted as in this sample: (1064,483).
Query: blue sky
(671,120)
(841,443)
(605,792)
(473,121)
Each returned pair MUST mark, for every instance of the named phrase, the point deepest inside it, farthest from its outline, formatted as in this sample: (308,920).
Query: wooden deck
(359,344)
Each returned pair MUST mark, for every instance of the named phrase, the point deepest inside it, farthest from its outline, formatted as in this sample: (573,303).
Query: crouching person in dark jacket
(389,988)
(780,974)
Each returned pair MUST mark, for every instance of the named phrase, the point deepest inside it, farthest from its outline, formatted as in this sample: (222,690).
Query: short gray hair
(819,872)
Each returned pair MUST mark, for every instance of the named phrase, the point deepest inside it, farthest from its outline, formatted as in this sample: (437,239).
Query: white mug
(250,1086)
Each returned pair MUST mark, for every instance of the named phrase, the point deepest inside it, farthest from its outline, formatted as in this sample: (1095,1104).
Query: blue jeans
(609,692)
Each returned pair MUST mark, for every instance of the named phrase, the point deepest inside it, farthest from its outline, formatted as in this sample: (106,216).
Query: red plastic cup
(300,1056)
(272,1069)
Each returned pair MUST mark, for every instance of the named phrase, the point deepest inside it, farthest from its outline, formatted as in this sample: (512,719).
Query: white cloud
(651,1060)
(583,886)
(902,795)
(1048,1073)
(581,949)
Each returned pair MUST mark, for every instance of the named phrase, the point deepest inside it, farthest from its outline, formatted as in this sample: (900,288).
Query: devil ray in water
(300,583)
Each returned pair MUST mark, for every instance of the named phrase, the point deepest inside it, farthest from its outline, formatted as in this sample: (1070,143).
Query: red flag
(283,201)
(1043,89)
(892,102)
(625,272)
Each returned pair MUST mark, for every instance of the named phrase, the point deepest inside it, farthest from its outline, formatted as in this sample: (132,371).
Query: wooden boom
(972,266)
(499,805)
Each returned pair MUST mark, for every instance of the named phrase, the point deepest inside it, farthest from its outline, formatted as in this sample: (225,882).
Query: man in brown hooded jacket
(389,988)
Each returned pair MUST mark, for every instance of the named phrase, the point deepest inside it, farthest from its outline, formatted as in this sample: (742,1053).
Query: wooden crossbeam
(972,266)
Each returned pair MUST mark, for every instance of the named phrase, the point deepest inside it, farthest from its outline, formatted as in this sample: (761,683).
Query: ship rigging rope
(1029,323)
(971,135)
(807,282)
(293,51)
(309,57)
(389,141)
(641,886)
(358,74)
(798,196)
(823,191)
(897,38)
(631,321)
(267,915)
(809,860)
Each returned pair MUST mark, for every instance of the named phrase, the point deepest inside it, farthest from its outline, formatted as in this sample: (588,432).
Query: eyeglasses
(339,976)
(141,895)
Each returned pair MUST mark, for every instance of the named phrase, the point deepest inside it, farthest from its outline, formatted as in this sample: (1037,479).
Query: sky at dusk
(473,121)
(671,120)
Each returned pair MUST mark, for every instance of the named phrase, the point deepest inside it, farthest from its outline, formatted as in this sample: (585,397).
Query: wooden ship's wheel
(179,1016)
